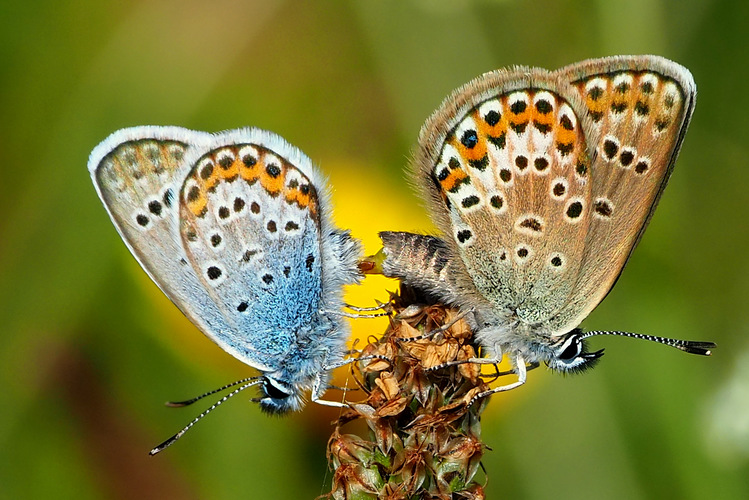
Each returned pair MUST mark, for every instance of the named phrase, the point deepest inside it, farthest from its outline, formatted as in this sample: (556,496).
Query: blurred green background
(91,349)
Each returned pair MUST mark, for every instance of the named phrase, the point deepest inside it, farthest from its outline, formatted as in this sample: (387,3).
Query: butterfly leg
(475,361)
(522,372)
(529,367)
(342,389)
(318,389)
(357,316)
(348,361)
(381,306)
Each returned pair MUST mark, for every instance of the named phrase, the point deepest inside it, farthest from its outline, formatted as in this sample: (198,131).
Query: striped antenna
(171,440)
(690,346)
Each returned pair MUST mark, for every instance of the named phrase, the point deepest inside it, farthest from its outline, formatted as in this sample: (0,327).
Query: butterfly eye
(572,356)
(571,348)
(279,397)
(276,389)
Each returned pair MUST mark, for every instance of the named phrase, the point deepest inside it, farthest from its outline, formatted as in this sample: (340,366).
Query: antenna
(180,404)
(690,346)
(249,382)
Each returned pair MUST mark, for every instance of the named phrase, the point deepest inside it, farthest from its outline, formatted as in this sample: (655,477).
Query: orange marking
(198,206)
(566,136)
(602,104)
(295,196)
(230,172)
(273,185)
(484,129)
(520,118)
(455,178)
(547,119)
(475,153)
(303,201)
(250,174)
(210,182)
(291,194)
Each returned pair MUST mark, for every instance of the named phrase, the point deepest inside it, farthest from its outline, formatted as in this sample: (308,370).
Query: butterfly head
(570,354)
(278,396)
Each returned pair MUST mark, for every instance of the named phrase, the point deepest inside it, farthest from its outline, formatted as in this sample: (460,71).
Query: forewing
(242,256)
(251,229)
(506,163)
(138,174)
(640,108)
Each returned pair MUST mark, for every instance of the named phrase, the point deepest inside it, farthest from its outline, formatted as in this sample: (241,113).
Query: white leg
(475,361)
(522,376)
(318,391)
(348,361)
(356,316)
(529,367)
(380,307)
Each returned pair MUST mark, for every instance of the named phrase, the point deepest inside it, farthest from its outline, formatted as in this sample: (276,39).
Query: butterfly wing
(138,173)
(505,164)
(253,226)
(640,108)
(518,168)
(239,255)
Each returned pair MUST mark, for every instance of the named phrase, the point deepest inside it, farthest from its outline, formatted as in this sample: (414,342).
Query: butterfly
(235,228)
(542,183)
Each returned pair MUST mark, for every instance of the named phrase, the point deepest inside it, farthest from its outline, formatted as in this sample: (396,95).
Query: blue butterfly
(235,228)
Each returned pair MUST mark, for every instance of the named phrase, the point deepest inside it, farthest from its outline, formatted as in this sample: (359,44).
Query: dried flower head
(424,438)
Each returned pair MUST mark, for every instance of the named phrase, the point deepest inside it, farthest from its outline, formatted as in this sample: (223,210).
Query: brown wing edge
(656,64)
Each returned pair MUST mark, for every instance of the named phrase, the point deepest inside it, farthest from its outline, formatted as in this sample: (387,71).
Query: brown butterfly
(542,183)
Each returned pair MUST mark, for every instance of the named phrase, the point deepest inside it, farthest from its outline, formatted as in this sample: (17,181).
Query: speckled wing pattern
(640,109)
(543,182)
(230,226)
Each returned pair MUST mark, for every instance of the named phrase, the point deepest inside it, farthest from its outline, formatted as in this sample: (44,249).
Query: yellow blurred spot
(366,206)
